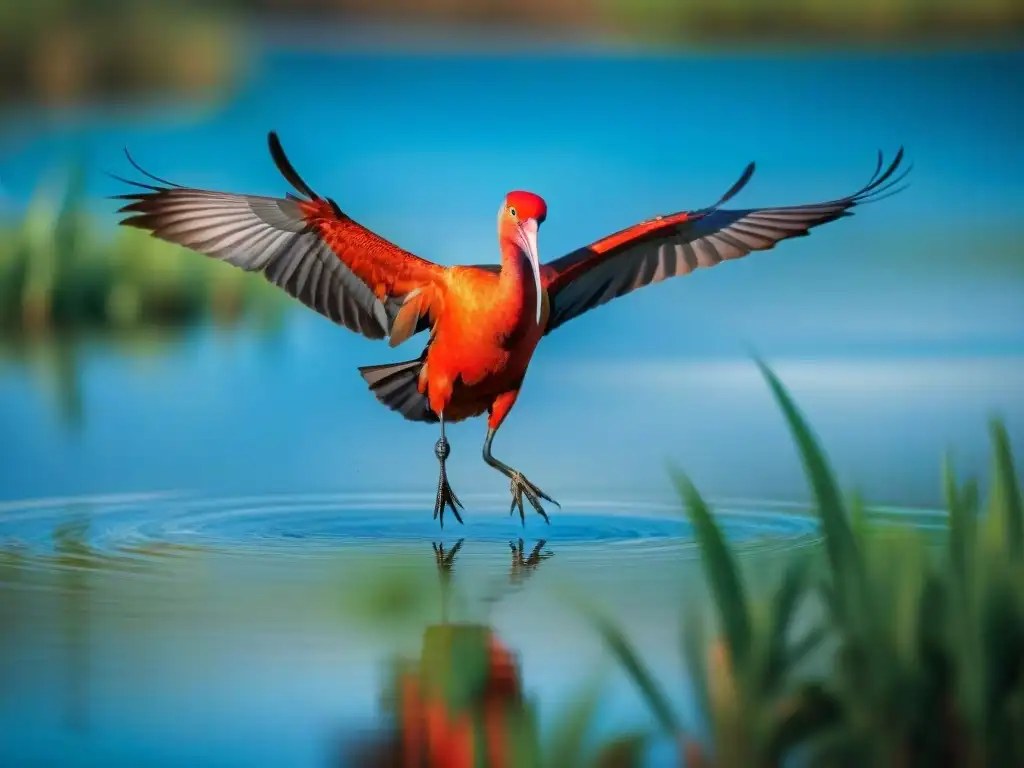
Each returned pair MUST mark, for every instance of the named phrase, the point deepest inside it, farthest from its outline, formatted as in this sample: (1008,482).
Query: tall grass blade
(808,714)
(1002,629)
(694,647)
(68,225)
(721,571)
(962,525)
(627,656)
(568,740)
(782,609)
(860,520)
(839,540)
(1006,496)
(806,645)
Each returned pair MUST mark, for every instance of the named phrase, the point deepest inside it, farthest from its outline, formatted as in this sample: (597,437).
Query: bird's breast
(481,342)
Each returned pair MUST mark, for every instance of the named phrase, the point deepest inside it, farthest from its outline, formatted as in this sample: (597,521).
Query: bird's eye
(512,211)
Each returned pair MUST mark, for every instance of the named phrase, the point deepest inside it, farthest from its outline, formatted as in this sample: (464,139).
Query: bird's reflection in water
(446,560)
(524,566)
(461,702)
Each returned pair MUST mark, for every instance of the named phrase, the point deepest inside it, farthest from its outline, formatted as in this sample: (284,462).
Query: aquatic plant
(919,649)
(59,274)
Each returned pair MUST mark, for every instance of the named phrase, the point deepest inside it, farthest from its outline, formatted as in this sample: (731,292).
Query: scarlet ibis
(485,320)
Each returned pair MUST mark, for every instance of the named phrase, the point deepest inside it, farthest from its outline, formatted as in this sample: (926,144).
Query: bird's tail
(395,385)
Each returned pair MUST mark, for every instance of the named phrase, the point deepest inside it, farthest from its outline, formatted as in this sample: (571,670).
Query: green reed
(60,272)
(916,652)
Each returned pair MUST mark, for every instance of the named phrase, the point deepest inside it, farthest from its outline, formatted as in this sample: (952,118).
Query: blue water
(258,470)
(299,522)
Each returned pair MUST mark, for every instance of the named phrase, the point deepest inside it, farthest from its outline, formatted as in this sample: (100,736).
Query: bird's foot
(522,565)
(520,487)
(445,495)
(520,559)
(445,560)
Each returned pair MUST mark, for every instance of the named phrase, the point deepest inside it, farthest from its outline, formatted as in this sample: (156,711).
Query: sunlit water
(192,538)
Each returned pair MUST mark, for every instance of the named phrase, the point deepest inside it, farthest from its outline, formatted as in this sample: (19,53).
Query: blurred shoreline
(71,54)
(368,35)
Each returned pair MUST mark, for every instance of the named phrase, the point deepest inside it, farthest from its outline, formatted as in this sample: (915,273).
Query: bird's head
(520,216)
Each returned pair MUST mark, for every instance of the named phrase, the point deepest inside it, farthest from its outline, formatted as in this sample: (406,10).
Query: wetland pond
(211,563)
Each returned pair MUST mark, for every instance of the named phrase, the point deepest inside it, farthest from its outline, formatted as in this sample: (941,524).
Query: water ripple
(164,525)
(113,522)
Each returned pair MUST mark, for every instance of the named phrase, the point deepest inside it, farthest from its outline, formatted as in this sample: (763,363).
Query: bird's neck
(516,293)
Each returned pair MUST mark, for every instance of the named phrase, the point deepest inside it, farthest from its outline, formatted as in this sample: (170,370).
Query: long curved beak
(528,242)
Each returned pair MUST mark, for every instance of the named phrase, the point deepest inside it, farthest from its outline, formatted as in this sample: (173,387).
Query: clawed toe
(446,559)
(521,487)
(446,498)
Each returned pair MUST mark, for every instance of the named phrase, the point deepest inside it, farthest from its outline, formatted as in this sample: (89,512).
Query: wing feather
(307,247)
(674,245)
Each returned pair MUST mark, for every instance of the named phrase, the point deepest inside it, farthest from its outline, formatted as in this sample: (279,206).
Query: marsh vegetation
(61,272)
(916,656)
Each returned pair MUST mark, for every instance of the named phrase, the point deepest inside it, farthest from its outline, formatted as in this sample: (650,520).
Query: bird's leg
(519,485)
(445,495)
(445,561)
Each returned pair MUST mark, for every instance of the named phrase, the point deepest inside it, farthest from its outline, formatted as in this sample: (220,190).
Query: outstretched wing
(677,244)
(305,245)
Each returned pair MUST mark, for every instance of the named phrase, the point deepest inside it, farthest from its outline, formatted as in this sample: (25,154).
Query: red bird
(485,320)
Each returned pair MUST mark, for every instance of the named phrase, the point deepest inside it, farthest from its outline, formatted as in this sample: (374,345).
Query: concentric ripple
(161,523)
(327,520)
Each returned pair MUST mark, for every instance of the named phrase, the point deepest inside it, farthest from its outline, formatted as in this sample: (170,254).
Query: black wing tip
(274,143)
(286,168)
(149,190)
(884,184)
(738,185)
(146,173)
